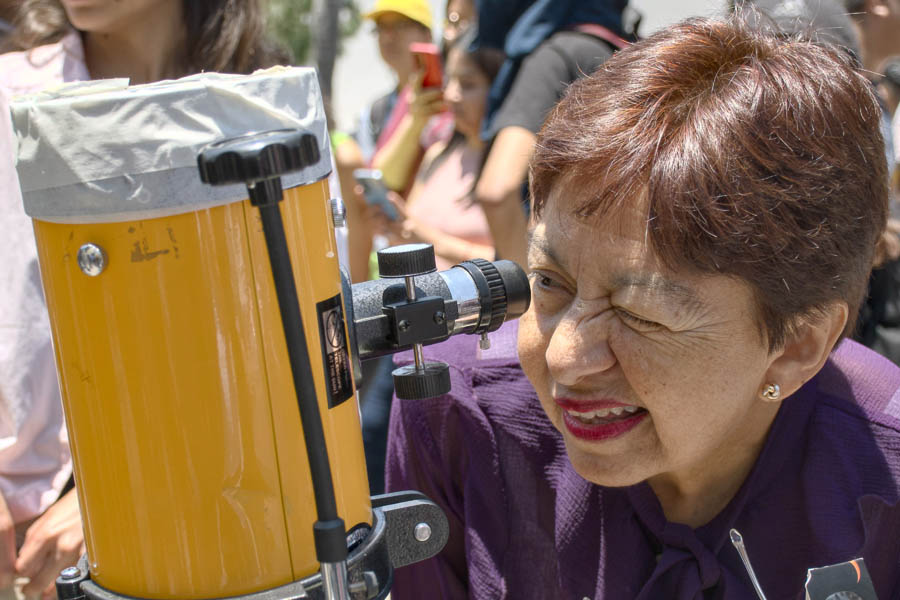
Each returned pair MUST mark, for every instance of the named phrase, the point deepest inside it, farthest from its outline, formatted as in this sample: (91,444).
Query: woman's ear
(806,350)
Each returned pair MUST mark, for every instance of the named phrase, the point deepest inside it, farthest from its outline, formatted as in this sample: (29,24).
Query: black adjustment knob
(257,156)
(432,380)
(406,261)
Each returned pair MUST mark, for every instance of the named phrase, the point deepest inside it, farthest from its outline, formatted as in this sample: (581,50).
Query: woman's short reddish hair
(760,155)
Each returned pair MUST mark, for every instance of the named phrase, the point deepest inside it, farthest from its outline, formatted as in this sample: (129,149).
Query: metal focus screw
(423,532)
(338,213)
(403,325)
(91,259)
(440,317)
(485,342)
(70,573)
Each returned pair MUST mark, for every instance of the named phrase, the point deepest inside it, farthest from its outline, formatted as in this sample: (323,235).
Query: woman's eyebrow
(539,244)
(658,284)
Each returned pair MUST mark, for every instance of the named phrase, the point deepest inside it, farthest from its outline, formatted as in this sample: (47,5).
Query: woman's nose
(579,348)
(451,92)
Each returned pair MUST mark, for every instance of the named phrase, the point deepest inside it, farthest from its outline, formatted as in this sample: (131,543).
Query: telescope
(208,343)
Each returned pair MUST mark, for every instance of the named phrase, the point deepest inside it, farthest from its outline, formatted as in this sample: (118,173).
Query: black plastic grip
(257,156)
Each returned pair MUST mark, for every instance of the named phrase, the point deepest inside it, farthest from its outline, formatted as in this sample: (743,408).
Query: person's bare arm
(399,158)
(499,192)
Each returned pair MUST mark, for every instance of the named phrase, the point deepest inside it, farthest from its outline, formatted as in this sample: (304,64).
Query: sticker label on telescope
(335,357)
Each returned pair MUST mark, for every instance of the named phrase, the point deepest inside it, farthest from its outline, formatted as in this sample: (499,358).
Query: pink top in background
(43,67)
(35,462)
(443,199)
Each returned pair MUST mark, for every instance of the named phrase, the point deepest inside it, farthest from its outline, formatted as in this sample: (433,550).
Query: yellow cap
(417,10)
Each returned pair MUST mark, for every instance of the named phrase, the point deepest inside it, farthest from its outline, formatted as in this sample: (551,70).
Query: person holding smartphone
(398,23)
(439,209)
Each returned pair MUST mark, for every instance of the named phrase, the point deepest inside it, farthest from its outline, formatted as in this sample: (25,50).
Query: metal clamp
(395,540)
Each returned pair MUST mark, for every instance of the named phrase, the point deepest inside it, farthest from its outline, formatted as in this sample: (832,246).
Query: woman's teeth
(596,417)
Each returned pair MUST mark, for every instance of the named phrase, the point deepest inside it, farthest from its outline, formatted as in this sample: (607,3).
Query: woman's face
(395,34)
(466,92)
(647,373)
(114,16)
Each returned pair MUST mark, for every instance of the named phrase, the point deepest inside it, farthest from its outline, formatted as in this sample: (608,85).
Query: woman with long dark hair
(60,41)
(144,40)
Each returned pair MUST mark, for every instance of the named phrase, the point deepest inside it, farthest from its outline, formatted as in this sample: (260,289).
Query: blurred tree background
(312,30)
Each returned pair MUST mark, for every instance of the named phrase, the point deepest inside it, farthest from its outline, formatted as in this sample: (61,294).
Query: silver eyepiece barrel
(473,297)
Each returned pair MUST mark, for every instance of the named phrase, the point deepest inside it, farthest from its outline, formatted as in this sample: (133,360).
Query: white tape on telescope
(102,151)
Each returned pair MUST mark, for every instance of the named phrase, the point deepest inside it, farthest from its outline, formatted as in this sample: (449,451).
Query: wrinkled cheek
(644,361)
(652,383)
(532,348)
(651,366)
(678,417)
(634,358)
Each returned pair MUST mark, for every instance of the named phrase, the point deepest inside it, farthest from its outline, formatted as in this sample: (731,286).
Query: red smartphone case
(429,57)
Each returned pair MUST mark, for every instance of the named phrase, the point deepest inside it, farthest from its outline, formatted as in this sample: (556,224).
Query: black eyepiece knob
(407,260)
(518,289)
(257,156)
(503,289)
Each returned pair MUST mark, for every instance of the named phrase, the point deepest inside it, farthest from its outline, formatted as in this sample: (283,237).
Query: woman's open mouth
(603,424)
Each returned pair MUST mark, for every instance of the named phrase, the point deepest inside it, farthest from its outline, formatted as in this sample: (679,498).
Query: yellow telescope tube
(186,438)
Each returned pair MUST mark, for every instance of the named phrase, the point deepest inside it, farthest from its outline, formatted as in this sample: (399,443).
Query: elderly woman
(706,208)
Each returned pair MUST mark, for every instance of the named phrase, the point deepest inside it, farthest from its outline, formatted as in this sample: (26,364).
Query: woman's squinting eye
(636,322)
(549,284)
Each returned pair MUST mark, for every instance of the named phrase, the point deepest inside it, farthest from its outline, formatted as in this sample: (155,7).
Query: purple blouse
(524,524)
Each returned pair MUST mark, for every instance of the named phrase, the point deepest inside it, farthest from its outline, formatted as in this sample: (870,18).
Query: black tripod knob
(407,260)
(418,383)
(257,156)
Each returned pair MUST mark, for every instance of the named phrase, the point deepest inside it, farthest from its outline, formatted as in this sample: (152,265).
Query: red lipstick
(614,426)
